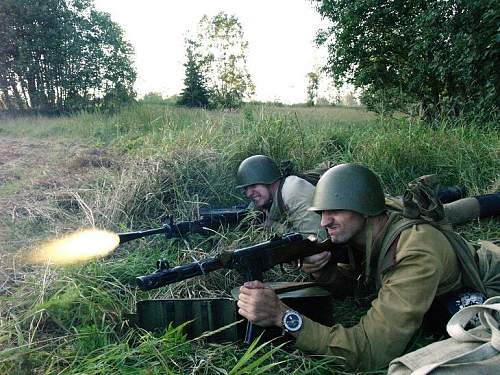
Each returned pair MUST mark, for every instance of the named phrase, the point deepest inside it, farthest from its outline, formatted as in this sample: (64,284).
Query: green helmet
(257,169)
(350,187)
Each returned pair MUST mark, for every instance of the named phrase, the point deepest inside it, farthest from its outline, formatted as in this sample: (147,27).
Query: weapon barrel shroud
(129,236)
(187,271)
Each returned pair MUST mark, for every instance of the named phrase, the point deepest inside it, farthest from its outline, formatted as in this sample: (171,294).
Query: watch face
(292,321)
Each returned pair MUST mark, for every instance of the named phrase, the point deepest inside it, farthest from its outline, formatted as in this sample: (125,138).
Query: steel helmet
(350,187)
(257,169)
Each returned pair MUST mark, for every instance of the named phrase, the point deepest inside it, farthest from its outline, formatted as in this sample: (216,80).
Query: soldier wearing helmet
(284,199)
(409,266)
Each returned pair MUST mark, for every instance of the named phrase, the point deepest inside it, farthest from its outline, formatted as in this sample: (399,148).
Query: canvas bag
(466,352)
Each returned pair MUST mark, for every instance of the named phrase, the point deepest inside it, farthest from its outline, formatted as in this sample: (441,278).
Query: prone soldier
(409,266)
(285,199)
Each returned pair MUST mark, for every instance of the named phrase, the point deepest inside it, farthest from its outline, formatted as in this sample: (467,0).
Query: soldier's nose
(325,220)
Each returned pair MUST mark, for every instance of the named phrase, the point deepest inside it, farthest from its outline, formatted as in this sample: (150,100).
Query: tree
(439,54)
(349,99)
(312,88)
(195,93)
(221,48)
(61,55)
(153,98)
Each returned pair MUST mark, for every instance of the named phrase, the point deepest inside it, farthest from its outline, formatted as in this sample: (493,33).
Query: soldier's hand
(260,304)
(314,263)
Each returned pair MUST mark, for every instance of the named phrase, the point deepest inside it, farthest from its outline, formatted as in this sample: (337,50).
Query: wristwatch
(292,321)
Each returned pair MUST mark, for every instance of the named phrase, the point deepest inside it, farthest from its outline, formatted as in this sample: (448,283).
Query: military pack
(480,261)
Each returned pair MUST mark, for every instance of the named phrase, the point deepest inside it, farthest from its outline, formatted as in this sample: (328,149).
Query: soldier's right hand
(259,304)
(314,263)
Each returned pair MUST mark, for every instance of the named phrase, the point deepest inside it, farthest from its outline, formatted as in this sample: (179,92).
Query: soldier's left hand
(314,263)
(259,304)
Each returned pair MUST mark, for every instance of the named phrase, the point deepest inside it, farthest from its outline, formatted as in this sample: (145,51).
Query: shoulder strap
(279,197)
(468,264)
(470,270)
(384,261)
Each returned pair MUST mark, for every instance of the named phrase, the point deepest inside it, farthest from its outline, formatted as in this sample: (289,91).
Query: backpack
(480,262)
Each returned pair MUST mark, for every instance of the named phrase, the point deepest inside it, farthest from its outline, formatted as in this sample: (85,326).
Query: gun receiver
(249,261)
(210,220)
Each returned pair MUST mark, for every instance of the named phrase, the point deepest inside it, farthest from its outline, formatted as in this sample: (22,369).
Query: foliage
(349,99)
(312,88)
(195,93)
(174,160)
(222,49)
(435,56)
(60,56)
(244,366)
(115,98)
(153,98)
(323,101)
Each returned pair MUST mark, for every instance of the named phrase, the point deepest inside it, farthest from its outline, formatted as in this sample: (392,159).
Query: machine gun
(251,262)
(211,220)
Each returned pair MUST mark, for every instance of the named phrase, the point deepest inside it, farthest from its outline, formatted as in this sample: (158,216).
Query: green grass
(170,160)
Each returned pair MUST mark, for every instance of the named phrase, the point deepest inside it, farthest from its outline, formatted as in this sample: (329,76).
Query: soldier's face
(341,225)
(260,194)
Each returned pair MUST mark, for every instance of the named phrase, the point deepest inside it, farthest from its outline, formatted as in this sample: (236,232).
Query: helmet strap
(268,205)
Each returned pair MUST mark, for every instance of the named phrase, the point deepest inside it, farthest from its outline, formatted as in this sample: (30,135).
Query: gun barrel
(211,220)
(129,236)
(164,277)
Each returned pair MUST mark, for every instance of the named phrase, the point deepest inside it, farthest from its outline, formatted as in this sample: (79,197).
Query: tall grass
(176,161)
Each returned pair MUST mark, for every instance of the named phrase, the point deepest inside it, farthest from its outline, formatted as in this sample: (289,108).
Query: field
(130,170)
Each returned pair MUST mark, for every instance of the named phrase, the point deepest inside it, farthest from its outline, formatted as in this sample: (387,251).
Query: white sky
(280,34)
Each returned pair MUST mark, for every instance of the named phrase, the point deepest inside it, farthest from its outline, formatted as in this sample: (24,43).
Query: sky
(280,34)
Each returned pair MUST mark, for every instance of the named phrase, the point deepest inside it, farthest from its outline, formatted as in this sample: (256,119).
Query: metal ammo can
(221,314)
(203,315)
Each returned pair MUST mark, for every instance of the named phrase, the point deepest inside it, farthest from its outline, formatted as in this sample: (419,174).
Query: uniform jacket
(297,196)
(424,266)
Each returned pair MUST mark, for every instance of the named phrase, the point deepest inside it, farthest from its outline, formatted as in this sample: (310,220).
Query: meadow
(130,170)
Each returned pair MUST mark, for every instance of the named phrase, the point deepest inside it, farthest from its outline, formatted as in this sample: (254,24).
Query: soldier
(285,199)
(263,183)
(409,266)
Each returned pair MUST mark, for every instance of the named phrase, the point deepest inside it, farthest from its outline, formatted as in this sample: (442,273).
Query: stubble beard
(344,234)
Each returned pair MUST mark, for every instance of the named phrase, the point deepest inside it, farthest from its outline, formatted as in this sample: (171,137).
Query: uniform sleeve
(384,332)
(297,196)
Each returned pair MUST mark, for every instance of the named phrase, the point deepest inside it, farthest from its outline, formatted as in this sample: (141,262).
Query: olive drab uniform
(296,197)
(422,265)
(414,259)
